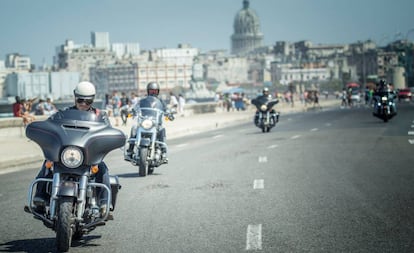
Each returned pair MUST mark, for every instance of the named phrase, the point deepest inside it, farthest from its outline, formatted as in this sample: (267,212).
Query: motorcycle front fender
(145,142)
(69,189)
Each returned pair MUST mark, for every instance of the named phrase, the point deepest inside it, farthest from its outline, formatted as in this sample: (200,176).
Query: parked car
(404,94)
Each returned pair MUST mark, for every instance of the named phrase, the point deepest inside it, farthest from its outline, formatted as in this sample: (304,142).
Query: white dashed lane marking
(254,237)
(411,141)
(295,137)
(181,145)
(217,136)
(314,129)
(262,159)
(410,132)
(258,184)
(273,146)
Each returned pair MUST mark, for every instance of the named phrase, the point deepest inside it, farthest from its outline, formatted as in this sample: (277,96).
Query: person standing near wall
(181,104)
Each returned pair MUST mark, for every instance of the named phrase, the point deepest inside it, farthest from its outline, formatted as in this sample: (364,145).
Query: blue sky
(35,27)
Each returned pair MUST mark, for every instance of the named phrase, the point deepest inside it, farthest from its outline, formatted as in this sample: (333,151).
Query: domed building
(247,35)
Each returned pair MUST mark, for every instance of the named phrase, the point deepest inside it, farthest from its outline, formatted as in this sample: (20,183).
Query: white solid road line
(254,237)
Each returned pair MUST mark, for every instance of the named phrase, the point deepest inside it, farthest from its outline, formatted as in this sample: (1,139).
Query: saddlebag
(115,186)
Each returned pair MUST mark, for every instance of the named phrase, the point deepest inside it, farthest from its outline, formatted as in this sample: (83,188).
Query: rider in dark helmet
(153,89)
(383,89)
(265,96)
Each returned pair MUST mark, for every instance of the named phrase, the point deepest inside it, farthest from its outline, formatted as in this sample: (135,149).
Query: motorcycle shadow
(45,244)
(136,174)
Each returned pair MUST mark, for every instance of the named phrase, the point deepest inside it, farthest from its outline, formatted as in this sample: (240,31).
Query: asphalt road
(329,181)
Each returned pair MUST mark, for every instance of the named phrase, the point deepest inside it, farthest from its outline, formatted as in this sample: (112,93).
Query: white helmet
(84,89)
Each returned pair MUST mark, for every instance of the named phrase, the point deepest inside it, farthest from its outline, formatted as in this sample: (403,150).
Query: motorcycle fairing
(83,129)
(264,100)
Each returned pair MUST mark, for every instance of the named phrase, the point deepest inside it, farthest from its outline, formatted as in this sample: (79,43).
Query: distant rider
(384,89)
(266,96)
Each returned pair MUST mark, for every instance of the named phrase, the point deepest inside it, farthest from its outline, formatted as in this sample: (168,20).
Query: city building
(55,85)
(18,62)
(80,58)
(247,35)
(167,75)
(125,50)
(100,40)
(121,77)
(182,55)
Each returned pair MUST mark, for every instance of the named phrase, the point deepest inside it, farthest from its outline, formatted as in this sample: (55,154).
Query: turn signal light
(94,169)
(48,164)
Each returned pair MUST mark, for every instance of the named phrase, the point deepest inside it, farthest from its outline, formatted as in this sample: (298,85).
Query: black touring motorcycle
(266,117)
(146,146)
(73,143)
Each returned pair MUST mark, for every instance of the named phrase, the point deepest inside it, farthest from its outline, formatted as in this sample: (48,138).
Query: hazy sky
(35,27)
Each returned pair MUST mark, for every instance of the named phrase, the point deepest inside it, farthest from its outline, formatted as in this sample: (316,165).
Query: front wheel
(143,162)
(65,223)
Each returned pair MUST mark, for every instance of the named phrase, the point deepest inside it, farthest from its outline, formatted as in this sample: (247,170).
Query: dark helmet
(153,89)
(382,83)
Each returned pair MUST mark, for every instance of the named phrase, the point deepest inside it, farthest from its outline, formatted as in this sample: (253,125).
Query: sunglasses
(153,92)
(84,100)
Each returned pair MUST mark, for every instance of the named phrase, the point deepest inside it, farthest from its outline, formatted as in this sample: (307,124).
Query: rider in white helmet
(84,93)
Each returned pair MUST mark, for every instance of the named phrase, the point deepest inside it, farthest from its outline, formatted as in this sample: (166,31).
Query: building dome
(246,21)
(247,35)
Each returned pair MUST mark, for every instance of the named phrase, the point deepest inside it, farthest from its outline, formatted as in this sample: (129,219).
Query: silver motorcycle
(74,143)
(146,146)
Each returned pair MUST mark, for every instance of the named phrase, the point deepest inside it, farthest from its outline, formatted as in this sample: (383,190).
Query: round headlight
(384,98)
(263,107)
(147,123)
(72,157)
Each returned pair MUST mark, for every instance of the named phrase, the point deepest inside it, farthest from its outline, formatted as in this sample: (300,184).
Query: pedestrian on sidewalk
(181,104)
(173,101)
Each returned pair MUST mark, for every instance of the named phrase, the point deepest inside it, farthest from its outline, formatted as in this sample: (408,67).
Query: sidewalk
(17,150)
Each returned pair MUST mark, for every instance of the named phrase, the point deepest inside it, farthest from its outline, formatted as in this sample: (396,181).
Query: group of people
(27,109)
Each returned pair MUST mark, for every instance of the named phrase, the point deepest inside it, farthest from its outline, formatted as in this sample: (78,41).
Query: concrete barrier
(13,126)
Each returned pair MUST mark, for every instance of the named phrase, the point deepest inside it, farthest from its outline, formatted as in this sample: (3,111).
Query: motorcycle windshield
(85,130)
(150,107)
(264,100)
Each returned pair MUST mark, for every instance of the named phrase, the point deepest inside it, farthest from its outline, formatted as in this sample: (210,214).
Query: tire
(64,224)
(143,163)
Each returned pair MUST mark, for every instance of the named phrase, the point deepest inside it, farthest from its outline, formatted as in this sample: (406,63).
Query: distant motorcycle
(266,117)
(74,143)
(385,107)
(145,147)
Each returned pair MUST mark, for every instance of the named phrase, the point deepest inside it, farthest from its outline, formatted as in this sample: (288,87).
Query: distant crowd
(28,109)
